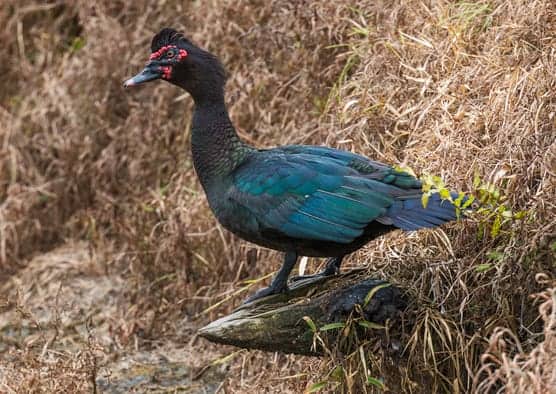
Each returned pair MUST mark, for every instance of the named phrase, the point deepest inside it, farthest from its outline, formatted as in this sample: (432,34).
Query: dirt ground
(66,310)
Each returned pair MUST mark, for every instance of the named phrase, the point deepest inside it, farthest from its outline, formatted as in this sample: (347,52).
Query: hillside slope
(461,90)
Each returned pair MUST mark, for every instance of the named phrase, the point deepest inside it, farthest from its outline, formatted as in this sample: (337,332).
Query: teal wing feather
(407,211)
(364,166)
(324,194)
(308,196)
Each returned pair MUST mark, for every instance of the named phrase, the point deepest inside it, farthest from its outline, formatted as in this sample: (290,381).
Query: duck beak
(149,73)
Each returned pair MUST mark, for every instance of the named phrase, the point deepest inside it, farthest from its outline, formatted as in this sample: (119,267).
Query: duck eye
(170,54)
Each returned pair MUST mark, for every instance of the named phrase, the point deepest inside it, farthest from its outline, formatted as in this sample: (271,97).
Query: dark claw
(328,271)
(264,292)
(332,268)
(318,275)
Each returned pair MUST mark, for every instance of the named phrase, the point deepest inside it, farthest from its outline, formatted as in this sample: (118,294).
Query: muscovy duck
(302,200)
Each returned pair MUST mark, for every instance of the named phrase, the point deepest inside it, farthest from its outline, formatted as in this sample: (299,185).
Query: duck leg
(332,268)
(280,282)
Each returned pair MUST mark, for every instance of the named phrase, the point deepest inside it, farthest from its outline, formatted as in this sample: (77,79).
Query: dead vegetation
(507,364)
(464,90)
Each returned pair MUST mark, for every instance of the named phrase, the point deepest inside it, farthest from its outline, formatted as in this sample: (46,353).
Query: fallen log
(280,322)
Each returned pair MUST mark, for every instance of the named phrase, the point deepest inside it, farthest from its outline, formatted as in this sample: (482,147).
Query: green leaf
(332,326)
(425,199)
(495,255)
(338,374)
(483,267)
(375,382)
(495,230)
(483,195)
(373,291)
(147,208)
(507,214)
(77,44)
(444,194)
(316,387)
(459,199)
(438,182)
(476,180)
(481,231)
(370,325)
(404,170)
(468,202)
(43,198)
(310,323)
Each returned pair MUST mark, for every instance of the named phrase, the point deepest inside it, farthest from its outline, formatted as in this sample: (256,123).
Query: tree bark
(279,322)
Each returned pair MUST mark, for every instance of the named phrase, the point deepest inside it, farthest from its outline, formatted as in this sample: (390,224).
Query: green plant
(492,210)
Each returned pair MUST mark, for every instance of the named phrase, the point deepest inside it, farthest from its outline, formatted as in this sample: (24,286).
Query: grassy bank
(461,90)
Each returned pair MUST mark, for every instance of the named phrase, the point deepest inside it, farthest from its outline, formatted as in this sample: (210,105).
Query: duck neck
(216,148)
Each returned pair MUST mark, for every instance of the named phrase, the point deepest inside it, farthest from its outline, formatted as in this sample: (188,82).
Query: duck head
(177,60)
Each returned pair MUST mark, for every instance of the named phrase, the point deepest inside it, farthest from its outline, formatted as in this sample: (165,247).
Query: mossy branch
(289,322)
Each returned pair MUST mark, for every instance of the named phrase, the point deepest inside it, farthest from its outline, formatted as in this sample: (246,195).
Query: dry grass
(46,335)
(524,371)
(449,88)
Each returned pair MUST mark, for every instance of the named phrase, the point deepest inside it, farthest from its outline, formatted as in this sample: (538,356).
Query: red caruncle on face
(166,71)
(182,53)
(158,55)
